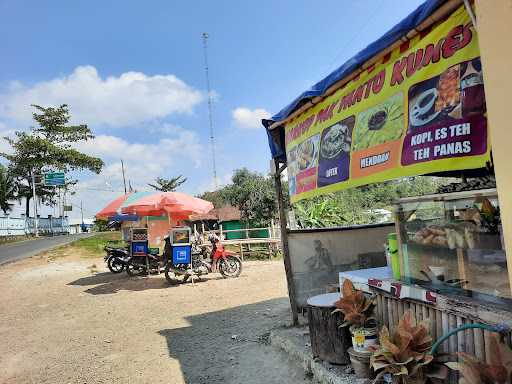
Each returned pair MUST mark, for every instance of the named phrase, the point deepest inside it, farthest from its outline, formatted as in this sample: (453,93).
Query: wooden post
(241,250)
(284,244)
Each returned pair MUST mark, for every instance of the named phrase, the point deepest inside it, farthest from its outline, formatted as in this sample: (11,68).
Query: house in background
(75,226)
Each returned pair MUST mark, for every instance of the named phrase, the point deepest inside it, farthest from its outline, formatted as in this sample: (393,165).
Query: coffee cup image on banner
(439,99)
(335,147)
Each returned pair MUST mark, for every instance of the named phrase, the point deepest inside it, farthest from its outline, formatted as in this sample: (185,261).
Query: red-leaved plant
(355,306)
(405,353)
(497,371)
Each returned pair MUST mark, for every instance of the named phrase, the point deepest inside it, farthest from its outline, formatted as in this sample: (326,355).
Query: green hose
(490,328)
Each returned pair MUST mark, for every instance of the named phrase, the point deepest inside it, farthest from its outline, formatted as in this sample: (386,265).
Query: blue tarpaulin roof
(394,34)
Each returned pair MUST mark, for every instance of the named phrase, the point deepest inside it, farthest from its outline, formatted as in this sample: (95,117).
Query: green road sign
(54,178)
(68,208)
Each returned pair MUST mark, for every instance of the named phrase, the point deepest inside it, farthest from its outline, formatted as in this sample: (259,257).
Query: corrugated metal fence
(19,226)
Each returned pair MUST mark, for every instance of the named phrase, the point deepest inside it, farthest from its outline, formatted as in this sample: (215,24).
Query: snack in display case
(452,243)
(181,236)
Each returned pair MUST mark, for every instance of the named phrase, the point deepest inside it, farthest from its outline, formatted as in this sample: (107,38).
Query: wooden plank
(396,317)
(478,335)
(286,250)
(470,340)
(413,310)
(424,310)
(432,320)
(385,312)
(452,319)
(400,309)
(419,312)
(461,340)
(380,317)
(439,325)
(487,346)
(391,321)
(446,327)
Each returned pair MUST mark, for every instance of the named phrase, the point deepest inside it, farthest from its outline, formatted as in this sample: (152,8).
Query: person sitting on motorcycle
(213,239)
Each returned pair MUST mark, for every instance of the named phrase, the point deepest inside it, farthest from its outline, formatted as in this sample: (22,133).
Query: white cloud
(131,98)
(178,152)
(180,145)
(246,118)
(4,146)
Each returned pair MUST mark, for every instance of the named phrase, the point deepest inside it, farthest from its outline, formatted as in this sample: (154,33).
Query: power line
(212,141)
(357,33)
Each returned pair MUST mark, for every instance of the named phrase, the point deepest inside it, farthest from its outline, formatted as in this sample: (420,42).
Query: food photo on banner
(419,110)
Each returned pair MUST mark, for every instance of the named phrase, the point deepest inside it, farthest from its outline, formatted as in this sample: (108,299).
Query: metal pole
(124,179)
(284,243)
(36,221)
(212,140)
(82,213)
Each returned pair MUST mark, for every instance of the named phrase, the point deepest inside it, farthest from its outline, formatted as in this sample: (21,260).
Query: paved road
(20,250)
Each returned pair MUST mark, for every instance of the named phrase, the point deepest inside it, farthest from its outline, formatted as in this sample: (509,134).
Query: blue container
(139,248)
(181,254)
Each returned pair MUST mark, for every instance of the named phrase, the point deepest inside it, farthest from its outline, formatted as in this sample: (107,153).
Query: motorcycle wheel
(170,276)
(231,266)
(115,265)
(135,270)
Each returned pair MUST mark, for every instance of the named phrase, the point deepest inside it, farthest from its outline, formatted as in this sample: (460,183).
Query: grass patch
(90,247)
(93,246)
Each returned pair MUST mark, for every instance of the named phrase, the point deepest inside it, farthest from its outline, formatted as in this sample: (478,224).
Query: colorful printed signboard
(420,110)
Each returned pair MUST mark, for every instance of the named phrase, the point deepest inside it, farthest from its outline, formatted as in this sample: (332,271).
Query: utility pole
(82,212)
(36,220)
(212,141)
(124,179)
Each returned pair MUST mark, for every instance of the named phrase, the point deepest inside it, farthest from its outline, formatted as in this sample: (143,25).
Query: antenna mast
(212,140)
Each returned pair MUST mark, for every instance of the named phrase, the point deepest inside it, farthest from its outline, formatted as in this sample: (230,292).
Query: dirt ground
(66,321)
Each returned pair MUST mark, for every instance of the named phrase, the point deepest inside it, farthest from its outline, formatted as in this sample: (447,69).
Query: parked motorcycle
(138,265)
(116,258)
(227,263)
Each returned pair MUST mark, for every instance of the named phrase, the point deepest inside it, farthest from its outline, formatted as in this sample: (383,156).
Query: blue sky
(134,71)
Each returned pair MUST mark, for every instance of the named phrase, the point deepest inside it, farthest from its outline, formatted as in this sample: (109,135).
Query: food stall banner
(420,110)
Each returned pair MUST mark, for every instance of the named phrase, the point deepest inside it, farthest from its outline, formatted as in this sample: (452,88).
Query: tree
(254,195)
(358,205)
(168,185)
(7,190)
(49,147)
(217,198)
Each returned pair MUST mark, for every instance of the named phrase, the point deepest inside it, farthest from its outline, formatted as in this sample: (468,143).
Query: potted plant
(357,310)
(497,371)
(404,355)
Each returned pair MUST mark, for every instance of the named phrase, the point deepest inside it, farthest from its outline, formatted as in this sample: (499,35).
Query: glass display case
(452,243)
(181,236)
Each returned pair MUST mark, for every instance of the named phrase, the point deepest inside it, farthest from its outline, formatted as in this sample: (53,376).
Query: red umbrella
(174,204)
(112,208)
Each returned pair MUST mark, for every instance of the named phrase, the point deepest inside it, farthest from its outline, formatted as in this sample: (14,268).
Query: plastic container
(360,361)
(363,338)
(393,252)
